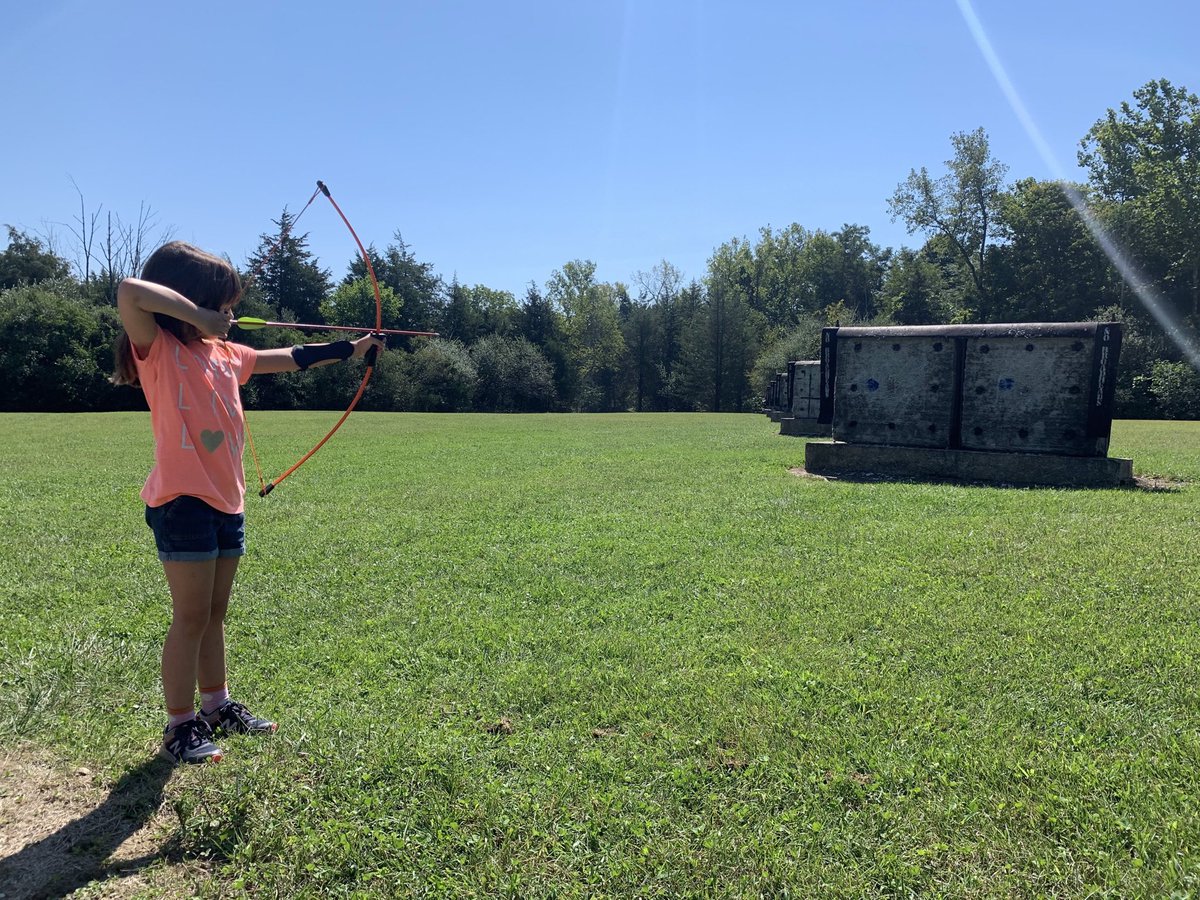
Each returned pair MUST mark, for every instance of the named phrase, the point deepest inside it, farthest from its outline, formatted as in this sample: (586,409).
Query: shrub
(441,378)
(1176,387)
(801,342)
(56,351)
(513,376)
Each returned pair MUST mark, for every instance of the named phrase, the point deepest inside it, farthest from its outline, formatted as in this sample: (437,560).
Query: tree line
(992,250)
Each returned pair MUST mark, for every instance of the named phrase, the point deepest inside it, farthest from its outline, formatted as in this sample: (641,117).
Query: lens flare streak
(1174,329)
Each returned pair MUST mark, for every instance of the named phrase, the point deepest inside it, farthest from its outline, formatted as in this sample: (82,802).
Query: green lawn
(631,655)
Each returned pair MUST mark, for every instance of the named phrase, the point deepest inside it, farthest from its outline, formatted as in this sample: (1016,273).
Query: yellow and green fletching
(249,323)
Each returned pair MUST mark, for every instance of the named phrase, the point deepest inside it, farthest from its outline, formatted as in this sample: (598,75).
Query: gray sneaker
(232,717)
(190,742)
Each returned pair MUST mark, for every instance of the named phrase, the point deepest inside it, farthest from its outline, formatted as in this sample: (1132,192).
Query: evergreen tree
(659,289)
(641,328)
(862,266)
(286,275)
(419,289)
(542,325)
(724,336)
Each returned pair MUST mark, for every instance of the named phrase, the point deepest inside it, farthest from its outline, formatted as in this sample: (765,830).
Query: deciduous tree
(593,332)
(961,205)
(1143,160)
(27,260)
(1049,268)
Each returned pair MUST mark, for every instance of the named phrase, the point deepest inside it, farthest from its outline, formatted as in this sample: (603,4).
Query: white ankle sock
(211,699)
(178,718)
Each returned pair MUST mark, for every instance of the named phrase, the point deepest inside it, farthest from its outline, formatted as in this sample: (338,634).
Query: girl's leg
(191,586)
(211,660)
(228,717)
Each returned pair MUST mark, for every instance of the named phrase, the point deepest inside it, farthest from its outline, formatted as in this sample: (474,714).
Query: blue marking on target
(872,384)
(1007,384)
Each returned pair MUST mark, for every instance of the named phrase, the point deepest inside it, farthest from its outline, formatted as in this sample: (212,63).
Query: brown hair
(206,280)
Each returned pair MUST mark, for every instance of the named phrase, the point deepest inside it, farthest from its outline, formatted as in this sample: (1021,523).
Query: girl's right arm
(138,301)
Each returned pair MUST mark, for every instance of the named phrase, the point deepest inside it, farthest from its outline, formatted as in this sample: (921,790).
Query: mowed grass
(632,655)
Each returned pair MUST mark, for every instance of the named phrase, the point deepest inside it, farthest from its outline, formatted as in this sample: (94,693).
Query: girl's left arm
(283,359)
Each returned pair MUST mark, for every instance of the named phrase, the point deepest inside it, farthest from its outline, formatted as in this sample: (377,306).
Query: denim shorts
(187,529)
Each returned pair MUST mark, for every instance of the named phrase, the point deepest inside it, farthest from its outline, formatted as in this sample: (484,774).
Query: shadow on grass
(1141,483)
(75,854)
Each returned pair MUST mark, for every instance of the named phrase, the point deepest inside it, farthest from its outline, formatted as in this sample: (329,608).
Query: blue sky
(504,139)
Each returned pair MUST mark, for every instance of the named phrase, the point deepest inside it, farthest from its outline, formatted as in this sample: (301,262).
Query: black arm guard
(307,354)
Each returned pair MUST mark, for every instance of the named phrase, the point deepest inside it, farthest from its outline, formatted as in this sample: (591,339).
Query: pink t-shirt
(196,417)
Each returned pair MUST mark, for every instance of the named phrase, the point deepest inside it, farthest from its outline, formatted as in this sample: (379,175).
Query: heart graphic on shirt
(211,439)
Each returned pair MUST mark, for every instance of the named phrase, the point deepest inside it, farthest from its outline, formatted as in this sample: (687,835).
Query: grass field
(631,655)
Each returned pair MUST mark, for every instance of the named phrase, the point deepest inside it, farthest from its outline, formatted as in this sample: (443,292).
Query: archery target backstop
(1044,388)
(803,403)
(804,388)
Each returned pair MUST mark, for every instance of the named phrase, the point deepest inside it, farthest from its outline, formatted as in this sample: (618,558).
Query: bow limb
(270,486)
(371,355)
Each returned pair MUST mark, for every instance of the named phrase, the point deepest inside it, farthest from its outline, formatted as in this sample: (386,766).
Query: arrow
(249,323)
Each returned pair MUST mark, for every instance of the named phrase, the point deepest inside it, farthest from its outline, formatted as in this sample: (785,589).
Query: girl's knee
(191,622)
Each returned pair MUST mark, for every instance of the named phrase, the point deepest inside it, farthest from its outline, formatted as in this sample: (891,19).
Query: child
(176,317)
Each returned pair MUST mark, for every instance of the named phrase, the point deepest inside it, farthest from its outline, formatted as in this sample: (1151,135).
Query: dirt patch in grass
(1151,483)
(503,727)
(63,828)
(801,472)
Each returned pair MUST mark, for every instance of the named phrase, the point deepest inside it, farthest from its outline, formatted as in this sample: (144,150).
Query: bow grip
(373,353)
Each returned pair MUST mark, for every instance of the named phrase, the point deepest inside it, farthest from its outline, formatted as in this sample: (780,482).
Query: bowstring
(246,282)
(370,358)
